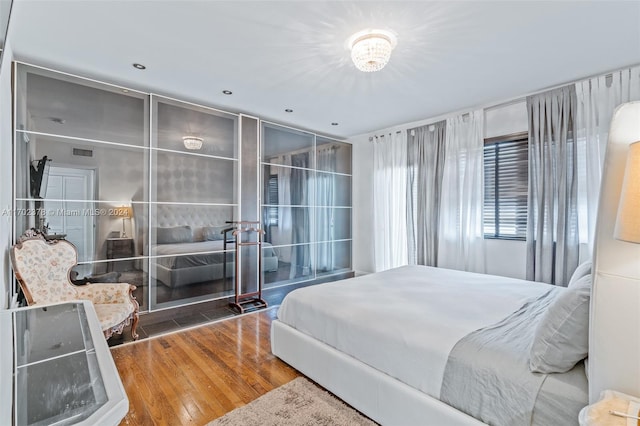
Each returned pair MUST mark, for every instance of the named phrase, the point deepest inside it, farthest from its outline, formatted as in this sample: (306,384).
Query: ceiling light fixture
(191,142)
(334,124)
(371,49)
(227,92)
(139,66)
(288,110)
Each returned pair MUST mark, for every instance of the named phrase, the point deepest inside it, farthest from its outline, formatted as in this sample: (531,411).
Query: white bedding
(399,315)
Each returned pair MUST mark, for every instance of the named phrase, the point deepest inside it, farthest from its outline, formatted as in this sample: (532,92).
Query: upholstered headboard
(171,215)
(614,339)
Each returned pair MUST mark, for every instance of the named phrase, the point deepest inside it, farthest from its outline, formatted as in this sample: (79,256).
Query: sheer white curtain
(282,234)
(597,99)
(326,159)
(389,200)
(461,242)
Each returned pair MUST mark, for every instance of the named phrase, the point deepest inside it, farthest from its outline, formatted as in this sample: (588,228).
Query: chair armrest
(107,293)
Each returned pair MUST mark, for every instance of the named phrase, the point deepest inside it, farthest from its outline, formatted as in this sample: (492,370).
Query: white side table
(62,370)
(599,413)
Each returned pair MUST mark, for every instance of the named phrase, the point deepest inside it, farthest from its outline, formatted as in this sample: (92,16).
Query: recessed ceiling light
(334,124)
(288,110)
(227,92)
(139,66)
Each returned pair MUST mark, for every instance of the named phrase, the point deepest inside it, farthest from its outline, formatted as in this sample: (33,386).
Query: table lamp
(125,213)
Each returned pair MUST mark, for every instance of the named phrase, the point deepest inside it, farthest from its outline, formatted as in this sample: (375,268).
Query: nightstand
(119,248)
(625,406)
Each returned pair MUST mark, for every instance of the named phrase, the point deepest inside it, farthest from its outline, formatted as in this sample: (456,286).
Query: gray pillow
(212,233)
(582,270)
(562,336)
(177,234)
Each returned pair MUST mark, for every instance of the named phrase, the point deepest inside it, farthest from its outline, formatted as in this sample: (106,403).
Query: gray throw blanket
(487,374)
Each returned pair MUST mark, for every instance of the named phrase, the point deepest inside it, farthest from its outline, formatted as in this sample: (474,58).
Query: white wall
(363,258)
(5,173)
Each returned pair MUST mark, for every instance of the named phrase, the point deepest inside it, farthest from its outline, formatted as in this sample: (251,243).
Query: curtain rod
(493,105)
(371,138)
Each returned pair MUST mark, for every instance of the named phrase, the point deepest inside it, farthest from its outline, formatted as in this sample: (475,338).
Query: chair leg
(134,325)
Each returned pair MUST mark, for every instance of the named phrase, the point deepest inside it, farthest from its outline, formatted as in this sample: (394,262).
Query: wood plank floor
(194,376)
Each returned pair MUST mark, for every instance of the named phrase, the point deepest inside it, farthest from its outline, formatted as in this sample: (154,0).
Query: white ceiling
(290,54)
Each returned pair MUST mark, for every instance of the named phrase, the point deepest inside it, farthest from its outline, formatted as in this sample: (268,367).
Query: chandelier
(192,142)
(371,49)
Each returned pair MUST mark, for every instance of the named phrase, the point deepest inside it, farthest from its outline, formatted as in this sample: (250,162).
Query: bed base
(378,395)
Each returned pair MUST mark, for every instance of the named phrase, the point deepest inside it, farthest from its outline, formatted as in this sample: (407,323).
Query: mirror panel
(286,186)
(333,190)
(193,178)
(332,224)
(286,265)
(333,257)
(188,278)
(280,145)
(333,156)
(111,172)
(60,104)
(176,120)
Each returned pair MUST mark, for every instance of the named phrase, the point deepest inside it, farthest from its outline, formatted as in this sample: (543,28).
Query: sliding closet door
(333,207)
(194,164)
(81,160)
(306,205)
(288,174)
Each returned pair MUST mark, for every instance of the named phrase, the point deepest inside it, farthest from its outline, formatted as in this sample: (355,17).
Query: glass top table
(63,372)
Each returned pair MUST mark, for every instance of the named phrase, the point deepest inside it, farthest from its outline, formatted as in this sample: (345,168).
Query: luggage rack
(252,301)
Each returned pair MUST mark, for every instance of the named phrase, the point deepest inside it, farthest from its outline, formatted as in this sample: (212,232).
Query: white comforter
(405,321)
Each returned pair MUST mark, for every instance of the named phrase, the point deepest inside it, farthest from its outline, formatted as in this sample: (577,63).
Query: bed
(188,244)
(427,318)
(390,343)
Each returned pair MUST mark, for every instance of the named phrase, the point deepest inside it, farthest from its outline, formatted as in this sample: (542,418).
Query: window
(505,187)
(272,195)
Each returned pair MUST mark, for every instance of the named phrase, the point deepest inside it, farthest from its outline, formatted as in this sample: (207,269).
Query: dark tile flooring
(169,320)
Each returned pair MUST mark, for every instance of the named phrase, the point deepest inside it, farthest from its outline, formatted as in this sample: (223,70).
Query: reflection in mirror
(333,257)
(333,156)
(60,104)
(279,144)
(190,252)
(285,186)
(288,264)
(193,178)
(215,130)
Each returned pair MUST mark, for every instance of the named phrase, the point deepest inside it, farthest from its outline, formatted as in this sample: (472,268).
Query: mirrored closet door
(194,168)
(81,159)
(144,185)
(306,205)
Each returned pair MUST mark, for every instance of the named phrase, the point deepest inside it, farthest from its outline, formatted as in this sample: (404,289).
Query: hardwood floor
(194,376)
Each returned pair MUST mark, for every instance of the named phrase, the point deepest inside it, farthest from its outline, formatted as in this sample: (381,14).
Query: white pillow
(582,270)
(562,336)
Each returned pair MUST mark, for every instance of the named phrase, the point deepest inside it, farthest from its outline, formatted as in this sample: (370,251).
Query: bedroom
(452,48)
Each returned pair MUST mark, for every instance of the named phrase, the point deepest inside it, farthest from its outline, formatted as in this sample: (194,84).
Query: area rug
(299,402)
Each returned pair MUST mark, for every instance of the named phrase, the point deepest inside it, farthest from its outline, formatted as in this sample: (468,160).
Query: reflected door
(71,217)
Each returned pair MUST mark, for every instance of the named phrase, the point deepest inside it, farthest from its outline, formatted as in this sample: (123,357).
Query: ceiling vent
(82,152)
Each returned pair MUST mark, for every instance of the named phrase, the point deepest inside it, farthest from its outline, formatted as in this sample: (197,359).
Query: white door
(66,208)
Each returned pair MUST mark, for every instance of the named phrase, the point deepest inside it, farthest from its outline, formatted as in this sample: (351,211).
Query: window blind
(272,199)
(505,188)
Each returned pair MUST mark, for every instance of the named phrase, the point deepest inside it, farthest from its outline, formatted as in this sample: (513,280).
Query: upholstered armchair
(43,270)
